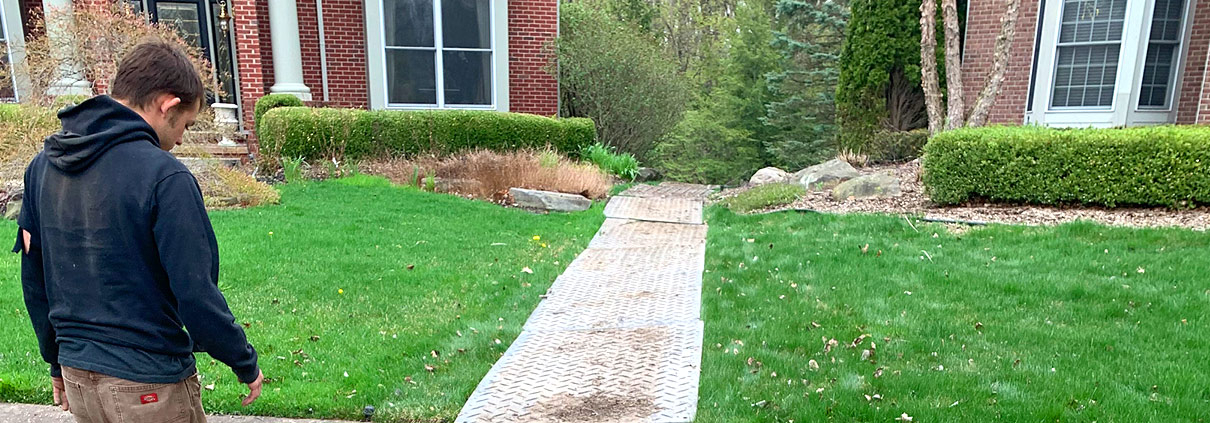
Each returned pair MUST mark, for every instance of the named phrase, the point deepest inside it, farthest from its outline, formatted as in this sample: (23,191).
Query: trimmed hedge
(357,134)
(1151,166)
(270,102)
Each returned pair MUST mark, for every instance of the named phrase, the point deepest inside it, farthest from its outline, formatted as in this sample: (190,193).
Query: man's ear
(167,102)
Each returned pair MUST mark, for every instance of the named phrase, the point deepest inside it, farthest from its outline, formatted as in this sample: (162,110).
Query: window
(1089,45)
(1163,47)
(7,93)
(438,52)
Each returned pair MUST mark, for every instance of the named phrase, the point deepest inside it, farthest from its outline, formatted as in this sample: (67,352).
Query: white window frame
(376,59)
(1124,109)
(10,12)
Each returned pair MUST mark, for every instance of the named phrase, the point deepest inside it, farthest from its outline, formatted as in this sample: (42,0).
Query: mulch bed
(915,202)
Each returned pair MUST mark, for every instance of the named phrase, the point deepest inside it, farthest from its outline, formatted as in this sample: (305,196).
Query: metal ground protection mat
(670,210)
(625,233)
(618,336)
(670,190)
(647,374)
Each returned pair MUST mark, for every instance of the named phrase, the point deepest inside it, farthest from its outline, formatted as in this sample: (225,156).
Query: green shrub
(702,150)
(273,101)
(610,72)
(623,165)
(765,196)
(1165,166)
(896,146)
(348,134)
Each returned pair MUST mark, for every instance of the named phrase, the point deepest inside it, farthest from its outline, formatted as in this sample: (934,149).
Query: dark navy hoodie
(122,274)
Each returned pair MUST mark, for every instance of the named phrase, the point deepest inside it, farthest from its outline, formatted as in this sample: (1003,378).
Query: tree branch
(995,78)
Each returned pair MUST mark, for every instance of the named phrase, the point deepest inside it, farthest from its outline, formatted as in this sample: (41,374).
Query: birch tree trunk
(995,78)
(956,117)
(928,65)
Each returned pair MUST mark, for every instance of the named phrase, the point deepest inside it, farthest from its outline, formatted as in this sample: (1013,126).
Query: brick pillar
(532,25)
(247,20)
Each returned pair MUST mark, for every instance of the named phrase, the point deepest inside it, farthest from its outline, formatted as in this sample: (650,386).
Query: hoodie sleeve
(33,283)
(189,253)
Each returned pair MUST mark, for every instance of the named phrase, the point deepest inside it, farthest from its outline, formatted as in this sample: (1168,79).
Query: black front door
(195,21)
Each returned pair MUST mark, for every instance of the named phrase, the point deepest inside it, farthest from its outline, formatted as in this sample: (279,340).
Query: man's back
(110,212)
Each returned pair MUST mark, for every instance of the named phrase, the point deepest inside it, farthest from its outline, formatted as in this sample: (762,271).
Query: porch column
(287,52)
(58,29)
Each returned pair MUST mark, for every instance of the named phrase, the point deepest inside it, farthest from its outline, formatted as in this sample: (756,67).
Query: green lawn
(1077,323)
(348,290)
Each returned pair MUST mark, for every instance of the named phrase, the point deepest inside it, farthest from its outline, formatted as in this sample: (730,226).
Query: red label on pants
(149,398)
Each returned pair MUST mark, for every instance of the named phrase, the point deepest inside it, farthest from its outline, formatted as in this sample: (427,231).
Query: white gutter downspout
(323,49)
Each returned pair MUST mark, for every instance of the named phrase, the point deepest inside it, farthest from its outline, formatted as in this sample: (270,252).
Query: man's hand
(61,392)
(253,387)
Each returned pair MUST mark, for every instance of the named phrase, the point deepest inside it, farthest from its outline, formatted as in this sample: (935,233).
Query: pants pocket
(151,403)
(74,394)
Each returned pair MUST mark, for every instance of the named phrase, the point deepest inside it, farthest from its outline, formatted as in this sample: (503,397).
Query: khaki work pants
(97,398)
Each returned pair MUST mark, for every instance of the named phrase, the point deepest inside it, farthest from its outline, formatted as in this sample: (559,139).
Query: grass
(349,290)
(765,196)
(1075,323)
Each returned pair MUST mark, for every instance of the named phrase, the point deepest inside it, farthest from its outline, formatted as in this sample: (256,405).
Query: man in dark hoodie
(118,255)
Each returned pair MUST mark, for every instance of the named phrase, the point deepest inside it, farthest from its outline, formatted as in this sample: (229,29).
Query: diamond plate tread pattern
(670,190)
(670,210)
(625,233)
(647,374)
(618,337)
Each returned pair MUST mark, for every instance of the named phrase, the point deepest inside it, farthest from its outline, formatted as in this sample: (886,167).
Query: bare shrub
(96,38)
(488,175)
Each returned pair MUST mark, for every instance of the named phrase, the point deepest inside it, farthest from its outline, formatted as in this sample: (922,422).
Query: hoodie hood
(92,128)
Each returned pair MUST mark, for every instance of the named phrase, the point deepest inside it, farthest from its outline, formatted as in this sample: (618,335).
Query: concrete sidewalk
(26,413)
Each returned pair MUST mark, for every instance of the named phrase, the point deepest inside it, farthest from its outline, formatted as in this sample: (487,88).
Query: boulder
(825,175)
(647,174)
(879,185)
(12,210)
(546,200)
(769,175)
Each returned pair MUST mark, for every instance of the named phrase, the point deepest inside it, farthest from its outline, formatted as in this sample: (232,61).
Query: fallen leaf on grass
(210,387)
(527,270)
(904,417)
(813,365)
(429,368)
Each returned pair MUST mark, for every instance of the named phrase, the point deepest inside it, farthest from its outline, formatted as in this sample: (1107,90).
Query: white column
(71,78)
(287,52)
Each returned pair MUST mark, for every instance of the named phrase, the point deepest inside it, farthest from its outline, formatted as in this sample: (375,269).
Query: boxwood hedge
(1146,166)
(358,134)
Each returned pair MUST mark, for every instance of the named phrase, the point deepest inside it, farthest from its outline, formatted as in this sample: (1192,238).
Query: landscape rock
(825,175)
(449,185)
(546,200)
(879,185)
(769,175)
(12,209)
(647,174)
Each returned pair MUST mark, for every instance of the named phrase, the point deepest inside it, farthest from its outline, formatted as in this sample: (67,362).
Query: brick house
(1102,63)
(377,54)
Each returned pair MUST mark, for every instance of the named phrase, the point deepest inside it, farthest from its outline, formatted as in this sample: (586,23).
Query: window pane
(184,18)
(1085,76)
(466,23)
(408,23)
(1157,74)
(411,76)
(468,77)
(1087,21)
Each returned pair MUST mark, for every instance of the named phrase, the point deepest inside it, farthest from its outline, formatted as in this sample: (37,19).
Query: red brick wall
(982,28)
(1195,66)
(248,19)
(345,40)
(532,24)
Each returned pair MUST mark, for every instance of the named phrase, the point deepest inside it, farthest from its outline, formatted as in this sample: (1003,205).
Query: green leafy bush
(1164,166)
(273,101)
(765,196)
(896,146)
(349,134)
(702,150)
(610,72)
(623,165)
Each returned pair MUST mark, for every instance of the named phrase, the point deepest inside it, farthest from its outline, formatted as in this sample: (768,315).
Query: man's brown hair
(156,67)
